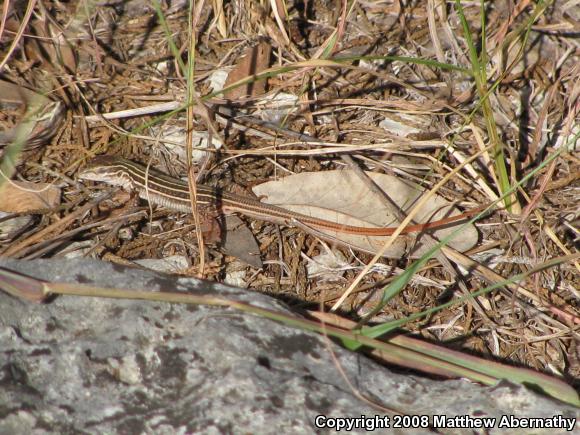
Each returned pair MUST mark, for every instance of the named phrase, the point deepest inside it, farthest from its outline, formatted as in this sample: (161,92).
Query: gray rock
(91,365)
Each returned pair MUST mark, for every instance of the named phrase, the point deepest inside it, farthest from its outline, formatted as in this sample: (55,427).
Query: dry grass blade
(279,10)
(14,250)
(220,20)
(21,29)
(21,286)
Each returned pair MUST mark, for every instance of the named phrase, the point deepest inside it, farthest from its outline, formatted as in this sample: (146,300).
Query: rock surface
(89,365)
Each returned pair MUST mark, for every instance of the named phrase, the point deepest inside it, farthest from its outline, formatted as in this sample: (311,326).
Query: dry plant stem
(341,24)
(190,112)
(37,250)
(525,229)
(329,46)
(474,174)
(197,220)
(206,113)
(225,117)
(21,29)
(402,226)
(96,48)
(280,14)
(109,236)
(62,223)
(552,235)
(433,31)
(139,111)
(331,148)
(219,18)
(492,277)
(400,339)
(533,148)
(489,166)
(47,245)
(531,207)
(301,137)
(233,116)
(4,17)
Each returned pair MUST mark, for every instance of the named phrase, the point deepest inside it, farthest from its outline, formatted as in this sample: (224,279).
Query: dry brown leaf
(23,196)
(256,60)
(238,241)
(340,196)
(51,47)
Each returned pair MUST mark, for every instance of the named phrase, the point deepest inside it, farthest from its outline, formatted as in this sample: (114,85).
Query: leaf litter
(426,114)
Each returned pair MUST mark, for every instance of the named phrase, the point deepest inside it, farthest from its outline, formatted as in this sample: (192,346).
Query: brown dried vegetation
(117,57)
